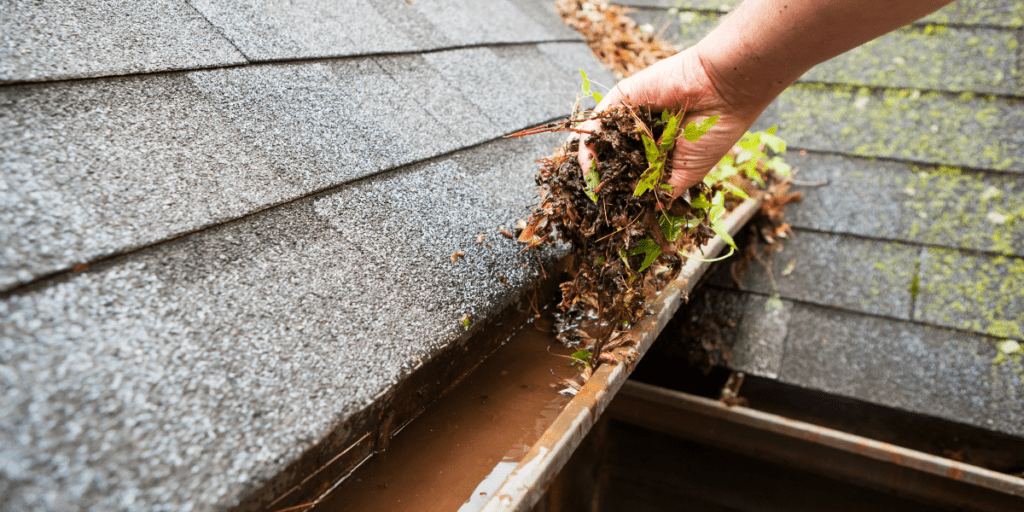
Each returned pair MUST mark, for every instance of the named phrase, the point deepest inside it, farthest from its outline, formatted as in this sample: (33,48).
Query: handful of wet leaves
(629,237)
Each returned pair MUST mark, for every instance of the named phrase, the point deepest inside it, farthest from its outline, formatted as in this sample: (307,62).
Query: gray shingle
(219,144)
(320,28)
(907,366)
(1000,13)
(760,337)
(59,40)
(893,200)
(304,29)
(510,84)
(980,60)
(424,85)
(936,128)
(99,167)
(544,13)
(183,375)
(839,271)
(472,22)
(978,293)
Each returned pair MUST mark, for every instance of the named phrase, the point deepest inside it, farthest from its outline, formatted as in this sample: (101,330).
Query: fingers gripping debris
(629,236)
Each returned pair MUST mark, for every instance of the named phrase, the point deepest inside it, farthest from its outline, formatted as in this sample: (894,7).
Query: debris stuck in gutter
(629,236)
(614,37)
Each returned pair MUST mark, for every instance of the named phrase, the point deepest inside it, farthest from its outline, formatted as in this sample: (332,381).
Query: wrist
(742,79)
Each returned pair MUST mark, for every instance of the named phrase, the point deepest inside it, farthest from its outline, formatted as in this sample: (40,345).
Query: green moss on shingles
(999,13)
(891,123)
(947,206)
(984,294)
(918,57)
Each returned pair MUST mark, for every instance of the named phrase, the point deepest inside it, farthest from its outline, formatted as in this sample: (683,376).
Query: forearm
(763,46)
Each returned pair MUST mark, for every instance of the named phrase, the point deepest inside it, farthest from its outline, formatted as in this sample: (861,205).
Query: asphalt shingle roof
(210,266)
(904,282)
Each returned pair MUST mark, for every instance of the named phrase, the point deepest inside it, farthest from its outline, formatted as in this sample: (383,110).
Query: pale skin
(757,51)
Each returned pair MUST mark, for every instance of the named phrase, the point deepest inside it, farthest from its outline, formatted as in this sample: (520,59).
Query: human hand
(671,84)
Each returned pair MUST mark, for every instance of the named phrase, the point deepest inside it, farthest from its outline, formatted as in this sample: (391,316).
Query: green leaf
(749,141)
(670,134)
(774,142)
(593,179)
(736,191)
(721,172)
(582,356)
(672,227)
(649,180)
(587,90)
(625,258)
(650,249)
(600,260)
(780,166)
(694,131)
(774,303)
(771,131)
(650,148)
(719,229)
(586,83)
(700,202)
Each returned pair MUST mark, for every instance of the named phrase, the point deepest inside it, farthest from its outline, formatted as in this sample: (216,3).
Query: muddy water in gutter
(455,454)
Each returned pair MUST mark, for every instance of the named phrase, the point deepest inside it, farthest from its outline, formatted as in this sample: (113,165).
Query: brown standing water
(455,454)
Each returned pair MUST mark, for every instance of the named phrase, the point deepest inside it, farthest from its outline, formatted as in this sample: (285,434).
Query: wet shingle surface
(902,286)
(182,375)
(980,293)
(42,41)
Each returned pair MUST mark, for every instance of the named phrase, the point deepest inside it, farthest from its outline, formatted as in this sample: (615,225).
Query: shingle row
(95,168)
(968,130)
(181,376)
(939,206)
(999,13)
(927,370)
(942,287)
(957,59)
(41,42)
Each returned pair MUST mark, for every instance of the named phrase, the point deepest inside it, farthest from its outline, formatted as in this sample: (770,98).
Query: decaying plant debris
(629,237)
(614,37)
(623,245)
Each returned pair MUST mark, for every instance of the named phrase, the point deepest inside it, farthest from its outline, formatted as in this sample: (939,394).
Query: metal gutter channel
(822,450)
(531,478)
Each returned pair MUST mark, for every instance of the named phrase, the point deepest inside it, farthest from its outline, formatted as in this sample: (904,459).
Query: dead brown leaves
(614,37)
(610,283)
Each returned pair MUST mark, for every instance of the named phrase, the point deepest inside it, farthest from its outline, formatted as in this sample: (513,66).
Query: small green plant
(588,91)
(657,151)
(581,357)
